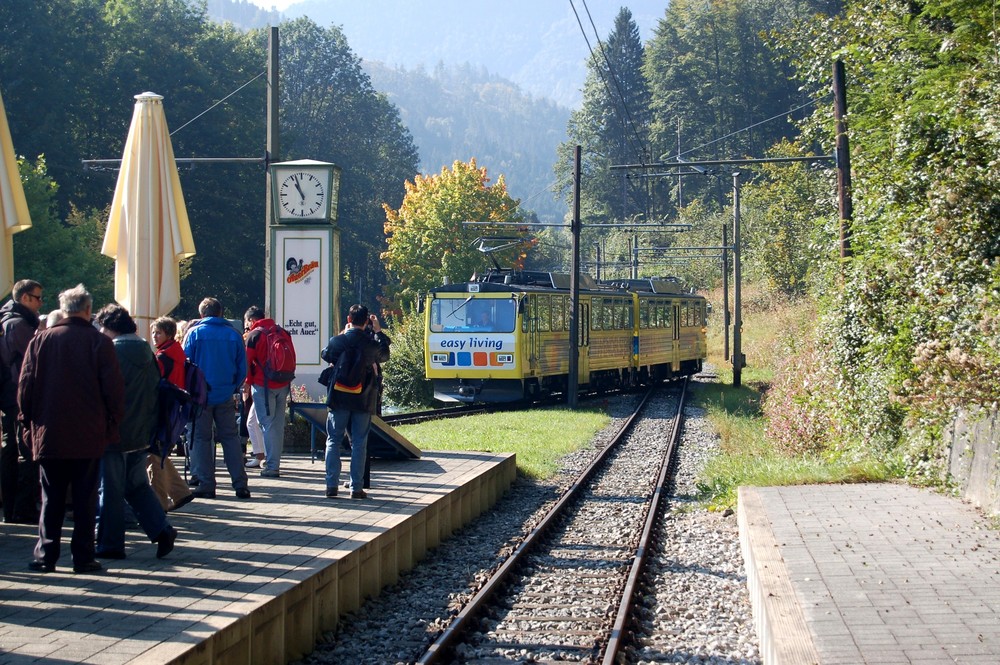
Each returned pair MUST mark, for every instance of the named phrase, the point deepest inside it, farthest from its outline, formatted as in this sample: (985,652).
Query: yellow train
(505,336)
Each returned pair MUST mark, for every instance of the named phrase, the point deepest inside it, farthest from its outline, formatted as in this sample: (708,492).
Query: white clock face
(302,194)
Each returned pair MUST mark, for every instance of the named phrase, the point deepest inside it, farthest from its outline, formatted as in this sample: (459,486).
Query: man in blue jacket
(215,346)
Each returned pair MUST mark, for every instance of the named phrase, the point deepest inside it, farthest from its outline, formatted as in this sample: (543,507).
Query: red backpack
(276,354)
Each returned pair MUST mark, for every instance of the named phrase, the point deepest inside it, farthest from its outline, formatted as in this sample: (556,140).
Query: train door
(583,342)
(531,321)
(675,311)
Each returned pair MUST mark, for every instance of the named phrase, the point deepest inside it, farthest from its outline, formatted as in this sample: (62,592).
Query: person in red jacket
(71,399)
(168,485)
(270,400)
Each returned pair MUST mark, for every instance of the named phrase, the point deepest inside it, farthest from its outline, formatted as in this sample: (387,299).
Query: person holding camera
(354,353)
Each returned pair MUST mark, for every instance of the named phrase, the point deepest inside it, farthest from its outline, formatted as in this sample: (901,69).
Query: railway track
(565,593)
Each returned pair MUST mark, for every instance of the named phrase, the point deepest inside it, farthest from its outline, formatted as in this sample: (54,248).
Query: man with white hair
(71,398)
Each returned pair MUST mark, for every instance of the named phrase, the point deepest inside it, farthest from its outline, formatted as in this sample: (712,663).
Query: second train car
(504,336)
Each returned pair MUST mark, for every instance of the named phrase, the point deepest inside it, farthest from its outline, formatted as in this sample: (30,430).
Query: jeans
(124,479)
(337,422)
(272,424)
(223,417)
(57,476)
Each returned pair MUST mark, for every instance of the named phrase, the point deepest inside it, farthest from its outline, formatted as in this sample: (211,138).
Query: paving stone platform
(253,581)
(871,573)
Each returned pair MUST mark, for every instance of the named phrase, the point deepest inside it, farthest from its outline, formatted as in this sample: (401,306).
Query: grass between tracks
(538,438)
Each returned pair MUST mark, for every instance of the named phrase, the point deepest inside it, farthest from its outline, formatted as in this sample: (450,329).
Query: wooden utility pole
(738,363)
(573,380)
(271,155)
(842,153)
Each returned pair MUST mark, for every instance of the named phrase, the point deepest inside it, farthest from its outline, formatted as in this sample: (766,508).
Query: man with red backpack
(270,370)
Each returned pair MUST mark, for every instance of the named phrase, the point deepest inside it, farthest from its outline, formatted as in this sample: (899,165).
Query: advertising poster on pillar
(303,290)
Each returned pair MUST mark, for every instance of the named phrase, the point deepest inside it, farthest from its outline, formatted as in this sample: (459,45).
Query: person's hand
(375,324)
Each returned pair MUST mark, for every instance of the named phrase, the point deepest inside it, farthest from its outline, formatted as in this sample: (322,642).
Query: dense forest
(73,100)
(456,113)
(907,325)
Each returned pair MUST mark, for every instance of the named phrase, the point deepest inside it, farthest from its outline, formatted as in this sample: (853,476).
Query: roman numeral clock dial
(302,194)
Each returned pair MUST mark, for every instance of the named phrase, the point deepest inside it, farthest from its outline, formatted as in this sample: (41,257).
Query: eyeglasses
(32,295)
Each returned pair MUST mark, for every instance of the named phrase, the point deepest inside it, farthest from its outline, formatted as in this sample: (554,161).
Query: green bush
(405,383)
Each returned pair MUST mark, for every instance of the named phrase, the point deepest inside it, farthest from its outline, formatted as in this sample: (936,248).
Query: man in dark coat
(71,399)
(18,479)
(347,409)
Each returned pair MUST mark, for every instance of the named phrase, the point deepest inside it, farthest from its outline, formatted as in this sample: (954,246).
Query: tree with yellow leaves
(428,239)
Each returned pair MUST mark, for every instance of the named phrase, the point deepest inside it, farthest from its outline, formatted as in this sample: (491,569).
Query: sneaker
(269,473)
(253,463)
(243,493)
(165,541)
(331,492)
(359,494)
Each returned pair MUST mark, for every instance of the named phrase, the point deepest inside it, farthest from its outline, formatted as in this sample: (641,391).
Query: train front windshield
(473,315)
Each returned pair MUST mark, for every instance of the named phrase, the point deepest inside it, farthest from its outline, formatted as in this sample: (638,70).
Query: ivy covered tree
(912,334)
(427,236)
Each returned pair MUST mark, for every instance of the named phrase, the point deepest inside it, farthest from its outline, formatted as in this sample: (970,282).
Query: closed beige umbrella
(148,230)
(13,206)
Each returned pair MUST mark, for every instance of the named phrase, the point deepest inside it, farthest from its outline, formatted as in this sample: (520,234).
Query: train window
(608,314)
(595,314)
(643,313)
(473,315)
(559,313)
(527,309)
(620,314)
(544,312)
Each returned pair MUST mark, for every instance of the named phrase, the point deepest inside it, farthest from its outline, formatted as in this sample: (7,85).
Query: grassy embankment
(747,456)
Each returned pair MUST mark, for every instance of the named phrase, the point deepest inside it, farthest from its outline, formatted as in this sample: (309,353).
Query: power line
(614,79)
(263,73)
(600,73)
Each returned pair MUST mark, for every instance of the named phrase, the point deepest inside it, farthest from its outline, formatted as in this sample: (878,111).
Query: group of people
(79,412)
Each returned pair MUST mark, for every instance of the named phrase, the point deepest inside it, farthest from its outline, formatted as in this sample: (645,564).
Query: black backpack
(349,372)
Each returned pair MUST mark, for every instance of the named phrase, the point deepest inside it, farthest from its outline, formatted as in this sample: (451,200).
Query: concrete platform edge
(287,626)
(785,638)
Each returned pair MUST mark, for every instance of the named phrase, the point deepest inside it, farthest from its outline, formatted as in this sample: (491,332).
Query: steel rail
(461,622)
(616,641)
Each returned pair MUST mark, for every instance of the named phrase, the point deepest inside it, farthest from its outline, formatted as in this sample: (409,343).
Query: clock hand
(301,193)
